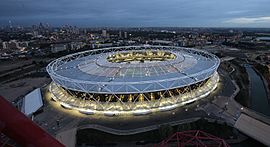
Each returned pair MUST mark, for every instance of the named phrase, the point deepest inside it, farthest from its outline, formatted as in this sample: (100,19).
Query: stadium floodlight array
(132,79)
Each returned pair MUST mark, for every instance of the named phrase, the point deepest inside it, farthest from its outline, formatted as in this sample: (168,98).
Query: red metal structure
(21,129)
(193,138)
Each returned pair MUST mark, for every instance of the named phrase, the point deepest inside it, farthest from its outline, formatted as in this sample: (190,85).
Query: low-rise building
(58,47)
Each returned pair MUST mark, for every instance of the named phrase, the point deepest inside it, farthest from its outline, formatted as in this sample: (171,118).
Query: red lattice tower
(193,138)
(16,126)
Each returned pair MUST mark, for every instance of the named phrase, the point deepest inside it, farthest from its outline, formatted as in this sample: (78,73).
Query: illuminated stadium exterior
(132,79)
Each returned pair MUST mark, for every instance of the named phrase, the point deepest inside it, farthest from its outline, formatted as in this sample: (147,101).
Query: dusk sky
(139,13)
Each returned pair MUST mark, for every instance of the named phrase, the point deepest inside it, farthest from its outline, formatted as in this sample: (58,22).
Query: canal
(259,100)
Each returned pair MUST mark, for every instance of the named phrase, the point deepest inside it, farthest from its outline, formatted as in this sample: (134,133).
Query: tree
(165,131)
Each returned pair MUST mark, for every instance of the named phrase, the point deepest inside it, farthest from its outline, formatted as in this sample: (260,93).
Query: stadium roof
(90,71)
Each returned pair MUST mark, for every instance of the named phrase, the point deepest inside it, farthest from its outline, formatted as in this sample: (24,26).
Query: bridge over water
(255,126)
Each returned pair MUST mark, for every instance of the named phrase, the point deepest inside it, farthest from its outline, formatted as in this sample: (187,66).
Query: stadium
(132,79)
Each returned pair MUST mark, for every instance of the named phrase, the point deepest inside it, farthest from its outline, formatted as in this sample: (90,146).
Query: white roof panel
(32,102)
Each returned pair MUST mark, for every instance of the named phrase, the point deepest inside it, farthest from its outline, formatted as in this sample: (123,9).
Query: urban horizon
(135,73)
(15,25)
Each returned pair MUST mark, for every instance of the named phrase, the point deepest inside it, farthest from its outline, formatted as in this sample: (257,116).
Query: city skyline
(158,13)
(135,73)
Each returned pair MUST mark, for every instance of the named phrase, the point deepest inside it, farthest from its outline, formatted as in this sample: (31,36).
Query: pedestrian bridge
(257,128)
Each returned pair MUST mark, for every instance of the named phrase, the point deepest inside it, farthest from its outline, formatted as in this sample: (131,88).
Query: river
(259,100)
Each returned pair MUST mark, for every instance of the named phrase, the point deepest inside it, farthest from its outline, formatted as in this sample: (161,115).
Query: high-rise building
(1,44)
(10,24)
(125,34)
(5,45)
(120,34)
(104,33)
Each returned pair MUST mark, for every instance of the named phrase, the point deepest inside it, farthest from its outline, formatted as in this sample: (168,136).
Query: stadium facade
(132,79)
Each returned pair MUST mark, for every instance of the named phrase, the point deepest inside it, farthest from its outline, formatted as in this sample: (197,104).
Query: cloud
(249,20)
(236,12)
(134,12)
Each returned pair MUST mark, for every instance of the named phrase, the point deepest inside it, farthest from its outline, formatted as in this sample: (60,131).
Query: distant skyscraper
(120,34)
(104,33)
(41,26)
(10,24)
(35,33)
(125,34)
(5,45)
(47,25)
